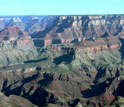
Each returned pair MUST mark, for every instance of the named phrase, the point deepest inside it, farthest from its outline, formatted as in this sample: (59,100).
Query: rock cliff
(15,47)
(66,29)
(89,73)
(73,29)
(14,101)
(81,64)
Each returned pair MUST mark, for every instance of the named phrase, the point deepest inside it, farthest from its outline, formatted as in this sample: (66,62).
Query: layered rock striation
(66,29)
(73,29)
(88,73)
(15,46)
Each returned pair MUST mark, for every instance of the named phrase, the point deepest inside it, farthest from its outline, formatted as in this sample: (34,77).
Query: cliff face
(12,33)
(14,101)
(66,29)
(88,73)
(101,44)
(73,29)
(61,89)
(27,23)
(15,46)
(44,88)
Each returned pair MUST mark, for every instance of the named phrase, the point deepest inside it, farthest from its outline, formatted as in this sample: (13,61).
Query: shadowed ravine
(62,61)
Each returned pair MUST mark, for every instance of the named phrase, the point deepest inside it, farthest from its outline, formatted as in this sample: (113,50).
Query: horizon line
(64,14)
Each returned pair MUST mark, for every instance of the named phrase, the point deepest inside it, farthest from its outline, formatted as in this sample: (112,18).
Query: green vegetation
(66,58)
(119,102)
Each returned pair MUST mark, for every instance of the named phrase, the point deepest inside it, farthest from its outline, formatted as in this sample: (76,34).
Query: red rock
(47,42)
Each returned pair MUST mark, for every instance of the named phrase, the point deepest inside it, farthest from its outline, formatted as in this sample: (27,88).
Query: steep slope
(88,73)
(27,23)
(119,102)
(12,33)
(14,101)
(15,47)
(78,74)
(67,29)
(103,52)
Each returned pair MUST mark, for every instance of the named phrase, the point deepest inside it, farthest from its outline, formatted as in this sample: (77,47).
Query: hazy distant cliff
(67,26)
(87,26)
(71,29)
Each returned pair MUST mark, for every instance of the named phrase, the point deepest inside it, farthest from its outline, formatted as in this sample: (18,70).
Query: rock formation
(27,23)
(66,29)
(15,46)
(80,62)
(14,101)
(89,73)
(72,29)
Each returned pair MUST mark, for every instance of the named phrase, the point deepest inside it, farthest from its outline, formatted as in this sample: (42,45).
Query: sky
(61,7)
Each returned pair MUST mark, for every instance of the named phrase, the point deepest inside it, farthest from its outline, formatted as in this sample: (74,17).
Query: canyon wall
(66,29)
(15,47)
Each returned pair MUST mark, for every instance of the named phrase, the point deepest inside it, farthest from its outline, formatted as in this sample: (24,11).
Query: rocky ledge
(89,73)
(15,46)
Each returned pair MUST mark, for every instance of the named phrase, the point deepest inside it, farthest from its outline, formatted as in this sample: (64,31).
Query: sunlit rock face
(15,46)
(27,23)
(68,29)
(72,29)
(65,62)
(101,44)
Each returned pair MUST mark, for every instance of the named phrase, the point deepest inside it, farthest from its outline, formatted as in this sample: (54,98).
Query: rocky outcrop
(88,73)
(66,29)
(14,101)
(11,33)
(72,29)
(27,23)
(15,47)
(118,102)
(43,89)
(92,76)
(101,44)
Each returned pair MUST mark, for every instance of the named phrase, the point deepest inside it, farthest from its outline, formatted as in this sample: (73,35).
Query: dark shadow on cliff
(67,58)
(66,23)
(74,102)
(38,96)
(85,22)
(100,73)
(41,34)
(105,35)
(120,89)
(122,48)
(47,80)
(56,41)
(38,43)
(26,94)
(8,90)
(96,90)
(4,85)
(33,61)
(75,41)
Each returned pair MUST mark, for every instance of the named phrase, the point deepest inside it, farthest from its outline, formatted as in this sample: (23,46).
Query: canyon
(62,61)
(66,29)
(15,46)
